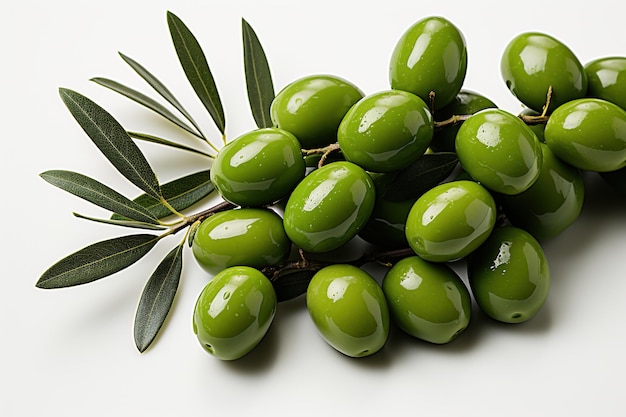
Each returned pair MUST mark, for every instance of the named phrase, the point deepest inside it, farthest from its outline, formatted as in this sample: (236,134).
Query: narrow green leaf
(422,175)
(112,140)
(146,101)
(124,223)
(196,69)
(97,193)
(192,232)
(180,193)
(155,139)
(97,261)
(160,88)
(258,77)
(292,285)
(157,298)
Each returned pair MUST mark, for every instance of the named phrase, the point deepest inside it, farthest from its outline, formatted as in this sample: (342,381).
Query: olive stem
(222,206)
(320,151)
(330,149)
(385,258)
(548,99)
(534,120)
(541,118)
(324,152)
(452,120)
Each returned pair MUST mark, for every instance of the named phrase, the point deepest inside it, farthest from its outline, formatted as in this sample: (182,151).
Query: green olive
(427,300)
(509,275)
(258,168)
(465,103)
(589,134)
(533,62)
(234,312)
(552,203)
(450,221)
(248,237)
(312,107)
(329,207)
(386,224)
(498,150)
(607,79)
(386,131)
(348,309)
(430,56)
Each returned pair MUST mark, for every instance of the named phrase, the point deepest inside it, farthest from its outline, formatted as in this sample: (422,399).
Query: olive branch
(152,210)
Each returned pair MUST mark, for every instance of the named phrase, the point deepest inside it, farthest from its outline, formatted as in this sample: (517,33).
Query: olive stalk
(386,258)
(452,120)
(324,152)
(543,117)
(189,220)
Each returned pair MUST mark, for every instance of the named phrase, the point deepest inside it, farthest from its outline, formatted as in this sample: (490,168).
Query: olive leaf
(192,232)
(157,298)
(97,193)
(97,261)
(145,101)
(258,77)
(428,171)
(112,140)
(196,69)
(124,223)
(180,193)
(155,139)
(293,284)
(160,88)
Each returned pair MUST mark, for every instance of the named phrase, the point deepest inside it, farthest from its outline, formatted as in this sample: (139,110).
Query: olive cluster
(317,181)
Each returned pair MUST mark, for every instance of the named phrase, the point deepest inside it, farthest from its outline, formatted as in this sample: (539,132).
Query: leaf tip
(170,16)
(141,347)
(43,283)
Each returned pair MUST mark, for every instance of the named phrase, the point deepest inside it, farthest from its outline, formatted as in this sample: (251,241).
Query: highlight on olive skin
(427,300)
(233,312)
(509,275)
(349,310)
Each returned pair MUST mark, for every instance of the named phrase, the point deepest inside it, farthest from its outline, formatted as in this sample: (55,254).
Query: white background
(70,352)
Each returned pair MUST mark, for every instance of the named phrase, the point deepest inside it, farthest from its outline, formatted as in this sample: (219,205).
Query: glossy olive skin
(349,310)
(234,312)
(386,224)
(497,149)
(386,131)
(431,55)
(552,203)
(532,62)
(312,107)
(589,134)
(607,79)
(248,237)
(329,207)
(465,103)
(450,221)
(427,300)
(509,275)
(258,167)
